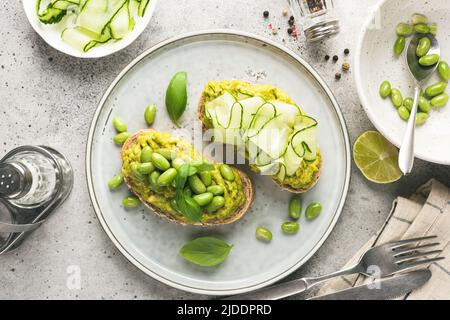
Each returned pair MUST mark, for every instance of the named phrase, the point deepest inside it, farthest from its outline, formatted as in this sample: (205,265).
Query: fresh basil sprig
(206,251)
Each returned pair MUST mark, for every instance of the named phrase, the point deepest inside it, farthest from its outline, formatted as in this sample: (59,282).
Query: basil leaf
(189,208)
(204,166)
(206,251)
(176,97)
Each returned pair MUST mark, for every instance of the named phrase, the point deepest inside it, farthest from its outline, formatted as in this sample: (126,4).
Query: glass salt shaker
(317,18)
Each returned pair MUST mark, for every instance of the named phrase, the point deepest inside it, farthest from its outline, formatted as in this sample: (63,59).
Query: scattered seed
(291,22)
(274,30)
(346,66)
(327,57)
(266,14)
(346,51)
(292,18)
(289,30)
(338,76)
(335,58)
(285,12)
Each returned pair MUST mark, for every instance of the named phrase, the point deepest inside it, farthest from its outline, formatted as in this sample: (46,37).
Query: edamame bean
(313,211)
(203,199)
(216,203)
(121,138)
(130,202)
(160,162)
(435,89)
(434,29)
(444,71)
(115,182)
(153,181)
(206,178)
(135,171)
(119,124)
(440,100)
(424,104)
(226,172)
(295,207)
(396,97)
(166,153)
(421,118)
(423,47)
(408,103)
(421,28)
(196,184)
(146,154)
(216,190)
(290,227)
(429,60)
(404,29)
(403,112)
(177,163)
(146,168)
(263,234)
(385,89)
(418,18)
(149,114)
(399,45)
(167,177)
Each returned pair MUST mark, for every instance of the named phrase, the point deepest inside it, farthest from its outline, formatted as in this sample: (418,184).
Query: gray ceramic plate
(151,243)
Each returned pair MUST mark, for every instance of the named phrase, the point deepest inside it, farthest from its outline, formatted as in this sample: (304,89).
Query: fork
(381,261)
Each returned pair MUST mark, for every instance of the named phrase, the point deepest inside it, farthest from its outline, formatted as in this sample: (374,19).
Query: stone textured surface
(49,98)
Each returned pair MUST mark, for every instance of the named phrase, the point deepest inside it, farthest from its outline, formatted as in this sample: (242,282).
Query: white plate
(375,62)
(52,33)
(152,243)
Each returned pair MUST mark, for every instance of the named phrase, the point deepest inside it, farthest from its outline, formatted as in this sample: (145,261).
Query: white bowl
(375,62)
(52,33)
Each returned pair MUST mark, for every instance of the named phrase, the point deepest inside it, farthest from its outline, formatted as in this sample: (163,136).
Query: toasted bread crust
(316,177)
(247,187)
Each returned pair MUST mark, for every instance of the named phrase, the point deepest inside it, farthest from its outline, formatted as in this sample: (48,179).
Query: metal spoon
(420,74)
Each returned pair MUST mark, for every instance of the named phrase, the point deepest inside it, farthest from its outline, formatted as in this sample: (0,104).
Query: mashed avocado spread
(179,148)
(306,174)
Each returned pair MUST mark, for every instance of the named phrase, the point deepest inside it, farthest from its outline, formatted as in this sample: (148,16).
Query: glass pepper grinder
(317,18)
(34,181)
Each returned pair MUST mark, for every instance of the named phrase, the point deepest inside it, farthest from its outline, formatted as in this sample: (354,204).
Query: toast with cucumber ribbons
(236,194)
(279,139)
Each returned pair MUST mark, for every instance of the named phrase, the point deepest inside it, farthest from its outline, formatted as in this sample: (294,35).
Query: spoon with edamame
(420,70)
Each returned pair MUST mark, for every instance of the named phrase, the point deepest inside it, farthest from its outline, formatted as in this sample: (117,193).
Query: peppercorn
(289,30)
(291,22)
(327,57)
(338,76)
(346,51)
(292,18)
(266,14)
(346,66)
(335,58)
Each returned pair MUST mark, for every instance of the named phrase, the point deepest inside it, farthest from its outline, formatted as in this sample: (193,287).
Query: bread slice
(247,187)
(201,116)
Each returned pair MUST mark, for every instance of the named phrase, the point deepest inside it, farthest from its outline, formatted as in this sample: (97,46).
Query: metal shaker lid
(15,180)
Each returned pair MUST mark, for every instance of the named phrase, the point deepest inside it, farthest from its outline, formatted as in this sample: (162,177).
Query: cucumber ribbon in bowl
(277,136)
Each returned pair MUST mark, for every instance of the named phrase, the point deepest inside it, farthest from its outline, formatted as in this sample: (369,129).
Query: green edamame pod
(166,153)
(418,18)
(429,60)
(146,154)
(149,114)
(177,163)
(423,47)
(435,89)
(216,203)
(421,118)
(408,103)
(290,227)
(434,29)
(153,181)
(119,124)
(385,89)
(424,104)
(203,199)
(295,207)
(422,28)
(403,113)
(440,100)
(206,178)
(226,172)
(404,29)
(396,97)
(313,211)
(146,168)
(216,190)
(444,71)
(115,182)
(160,162)
(196,184)
(135,171)
(131,202)
(263,234)
(121,138)
(167,177)
(399,45)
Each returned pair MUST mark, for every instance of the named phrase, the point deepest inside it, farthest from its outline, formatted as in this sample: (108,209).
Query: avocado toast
(236,196)
(264,118)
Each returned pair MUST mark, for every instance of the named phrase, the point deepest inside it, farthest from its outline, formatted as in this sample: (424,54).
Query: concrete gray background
(49,98)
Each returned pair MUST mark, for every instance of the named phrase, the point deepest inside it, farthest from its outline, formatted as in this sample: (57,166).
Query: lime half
(377,158)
